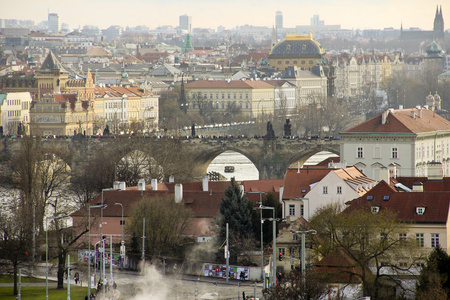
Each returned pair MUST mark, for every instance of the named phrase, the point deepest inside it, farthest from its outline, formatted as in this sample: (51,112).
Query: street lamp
(46,251)
(262,241)
(122,241)
(274,246)
(102,273)
(303,233)
(89,249)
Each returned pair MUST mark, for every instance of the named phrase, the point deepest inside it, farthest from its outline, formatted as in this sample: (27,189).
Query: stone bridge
(272,157)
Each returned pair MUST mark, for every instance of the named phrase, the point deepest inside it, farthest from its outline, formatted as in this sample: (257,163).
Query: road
(151,285)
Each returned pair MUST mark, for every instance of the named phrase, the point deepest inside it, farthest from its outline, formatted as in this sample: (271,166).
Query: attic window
(304,191)
(420,210)
(386,198)
(369,198)
(375,209)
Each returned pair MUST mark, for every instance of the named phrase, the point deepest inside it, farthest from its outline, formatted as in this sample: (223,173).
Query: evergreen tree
(236,210)
(434,279)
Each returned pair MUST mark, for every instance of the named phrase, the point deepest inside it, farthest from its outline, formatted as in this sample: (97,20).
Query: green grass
(9,279)
(38,293)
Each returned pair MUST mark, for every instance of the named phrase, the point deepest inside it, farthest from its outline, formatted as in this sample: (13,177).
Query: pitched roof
(231,84)
(410,121)
(404,204)
(51,64)
(298,184)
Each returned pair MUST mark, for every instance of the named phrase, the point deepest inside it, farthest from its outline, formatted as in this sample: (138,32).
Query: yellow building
(252,97)
(297,50)
(62,115)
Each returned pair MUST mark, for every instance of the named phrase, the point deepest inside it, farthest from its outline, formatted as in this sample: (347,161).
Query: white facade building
(54,23)
(404,141)
(15,110)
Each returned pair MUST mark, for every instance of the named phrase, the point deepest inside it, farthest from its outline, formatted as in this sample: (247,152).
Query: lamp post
(274,244)
(122,241)
(46,251)
(101,231)
(303,233)
(262,240)
(89,249)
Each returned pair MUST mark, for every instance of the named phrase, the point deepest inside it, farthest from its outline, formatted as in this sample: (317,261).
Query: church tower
(438,28)
(51,76)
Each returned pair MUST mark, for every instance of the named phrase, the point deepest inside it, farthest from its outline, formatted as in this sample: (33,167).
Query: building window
(223,96)
(420,240)
(122,222)
(295,62)
(339,190)
(291,209)
(360,152)
(302,210)
(287,62)
(434,240)
(325,190)
(229,96)
(375,209)
(402,237)
(420,210)
(279,62)
(295,237)
(282,251)
(395,152)
(210,96)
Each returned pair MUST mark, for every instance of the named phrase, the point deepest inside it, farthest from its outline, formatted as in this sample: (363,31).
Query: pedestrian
(243,295)
(242,275)
(76,277)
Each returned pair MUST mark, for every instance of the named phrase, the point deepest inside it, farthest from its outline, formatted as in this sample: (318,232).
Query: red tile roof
(296,182)
(428,185)
(404,204)
(232,84)
(401,121)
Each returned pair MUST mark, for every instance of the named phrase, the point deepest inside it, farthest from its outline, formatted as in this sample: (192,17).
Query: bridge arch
(203,159)
(305,154)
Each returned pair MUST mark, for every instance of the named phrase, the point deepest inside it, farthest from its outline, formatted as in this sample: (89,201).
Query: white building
(338,186)
(185,23)
(54,23)
(404,141)
(15,110)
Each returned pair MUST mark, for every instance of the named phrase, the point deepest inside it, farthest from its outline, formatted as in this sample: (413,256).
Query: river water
(244,168)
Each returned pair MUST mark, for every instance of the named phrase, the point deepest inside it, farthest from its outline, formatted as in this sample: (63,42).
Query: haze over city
(350,14)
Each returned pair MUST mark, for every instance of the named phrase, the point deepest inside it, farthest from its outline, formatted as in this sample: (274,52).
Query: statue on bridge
(287,128)
(193,130)
(270,132)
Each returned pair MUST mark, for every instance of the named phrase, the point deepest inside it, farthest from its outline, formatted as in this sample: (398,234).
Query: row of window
(420,239)
(325,190)
(211,96)
(377,152)
(295,62)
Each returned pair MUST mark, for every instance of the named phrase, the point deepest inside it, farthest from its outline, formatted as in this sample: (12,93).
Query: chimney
(384,174)
(141,184)
(281,193)
(178,193)
(435,171)
(122,185)
(205,183)
(171,178)
(155,184)
(384,116)
(413,114)
(420,113)
(116,185)
(417,187)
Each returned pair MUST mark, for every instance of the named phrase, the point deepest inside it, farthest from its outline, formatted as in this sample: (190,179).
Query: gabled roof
(404,204)
(298,184)
(409,121)
(51,64)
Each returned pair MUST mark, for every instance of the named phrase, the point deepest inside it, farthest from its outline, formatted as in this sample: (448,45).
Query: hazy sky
(350,14)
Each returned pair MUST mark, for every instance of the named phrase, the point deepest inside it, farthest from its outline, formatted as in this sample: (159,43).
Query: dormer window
(420,210)
(375,209)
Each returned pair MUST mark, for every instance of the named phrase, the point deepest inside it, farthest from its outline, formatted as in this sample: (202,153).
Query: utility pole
(143,244)
(227,256)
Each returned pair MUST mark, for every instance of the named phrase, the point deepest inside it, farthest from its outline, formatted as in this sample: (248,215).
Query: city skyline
(351,14)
